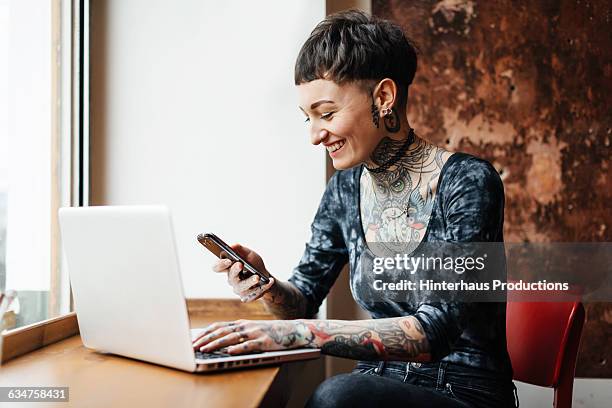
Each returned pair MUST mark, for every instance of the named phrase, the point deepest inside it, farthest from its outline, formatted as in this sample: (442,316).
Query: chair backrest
(543,340)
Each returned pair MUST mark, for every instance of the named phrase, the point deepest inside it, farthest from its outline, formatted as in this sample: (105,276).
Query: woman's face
(340,118)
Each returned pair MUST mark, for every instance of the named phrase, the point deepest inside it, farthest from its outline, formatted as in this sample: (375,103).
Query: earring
(386,111)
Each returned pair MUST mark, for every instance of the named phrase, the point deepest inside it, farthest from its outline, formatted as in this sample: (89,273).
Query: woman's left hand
(247,336)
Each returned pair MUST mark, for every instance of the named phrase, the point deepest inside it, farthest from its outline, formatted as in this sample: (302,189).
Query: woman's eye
(326,116)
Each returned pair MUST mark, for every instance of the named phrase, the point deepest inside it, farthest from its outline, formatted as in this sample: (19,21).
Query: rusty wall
(526,85)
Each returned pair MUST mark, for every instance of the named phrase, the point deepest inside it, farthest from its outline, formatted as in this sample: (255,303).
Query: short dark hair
(354,46)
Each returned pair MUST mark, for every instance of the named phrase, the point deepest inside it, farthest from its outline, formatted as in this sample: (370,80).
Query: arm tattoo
(285,301)
(289,334)
(399,338)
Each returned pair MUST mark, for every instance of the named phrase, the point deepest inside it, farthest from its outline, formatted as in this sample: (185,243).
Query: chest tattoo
(396,205)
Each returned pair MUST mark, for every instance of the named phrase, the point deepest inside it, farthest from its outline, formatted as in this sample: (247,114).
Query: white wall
(193,105)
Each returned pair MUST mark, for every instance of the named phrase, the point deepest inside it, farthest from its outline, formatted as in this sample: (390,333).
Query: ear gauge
(392,122)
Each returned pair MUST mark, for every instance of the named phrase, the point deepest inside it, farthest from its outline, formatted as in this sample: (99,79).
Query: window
(41,160)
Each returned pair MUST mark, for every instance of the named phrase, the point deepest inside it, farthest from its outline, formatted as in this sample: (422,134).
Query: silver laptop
(128,294)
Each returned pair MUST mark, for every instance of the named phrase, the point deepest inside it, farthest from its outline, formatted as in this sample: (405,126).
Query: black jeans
(400,384)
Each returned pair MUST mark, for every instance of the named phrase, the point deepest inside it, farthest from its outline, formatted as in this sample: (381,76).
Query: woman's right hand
(248,288)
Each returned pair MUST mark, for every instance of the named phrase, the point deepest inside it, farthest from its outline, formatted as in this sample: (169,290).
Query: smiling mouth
(335,146)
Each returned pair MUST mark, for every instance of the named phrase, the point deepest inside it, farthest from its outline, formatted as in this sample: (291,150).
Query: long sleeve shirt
(468,207)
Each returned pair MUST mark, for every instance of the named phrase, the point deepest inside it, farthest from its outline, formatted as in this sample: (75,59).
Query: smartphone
(223,251)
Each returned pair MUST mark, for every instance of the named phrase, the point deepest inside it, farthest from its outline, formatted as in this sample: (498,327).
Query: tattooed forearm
(355,347)
(285,301)
(287,334)
(400,338)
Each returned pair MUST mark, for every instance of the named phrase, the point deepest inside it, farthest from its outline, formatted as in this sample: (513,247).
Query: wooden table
(102,380)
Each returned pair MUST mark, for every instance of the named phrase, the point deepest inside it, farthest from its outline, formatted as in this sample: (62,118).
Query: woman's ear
(386,93)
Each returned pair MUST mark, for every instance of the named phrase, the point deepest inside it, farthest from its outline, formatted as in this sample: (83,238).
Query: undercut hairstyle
(354,46)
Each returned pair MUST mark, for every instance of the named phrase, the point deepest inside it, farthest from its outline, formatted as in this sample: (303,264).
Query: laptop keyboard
(215,354)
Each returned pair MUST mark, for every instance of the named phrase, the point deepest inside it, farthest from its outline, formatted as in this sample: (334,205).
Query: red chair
(543,340)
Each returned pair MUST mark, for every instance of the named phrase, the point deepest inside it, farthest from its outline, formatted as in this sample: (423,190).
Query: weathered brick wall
(526,85)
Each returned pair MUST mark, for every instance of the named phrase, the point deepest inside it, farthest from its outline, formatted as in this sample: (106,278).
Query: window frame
(70,27)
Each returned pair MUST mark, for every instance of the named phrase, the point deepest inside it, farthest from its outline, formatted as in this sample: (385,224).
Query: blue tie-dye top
(468,207)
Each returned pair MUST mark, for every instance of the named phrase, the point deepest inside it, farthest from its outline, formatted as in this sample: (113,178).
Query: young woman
(395,189)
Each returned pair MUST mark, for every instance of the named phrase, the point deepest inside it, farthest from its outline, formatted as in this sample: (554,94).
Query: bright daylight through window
(36,155)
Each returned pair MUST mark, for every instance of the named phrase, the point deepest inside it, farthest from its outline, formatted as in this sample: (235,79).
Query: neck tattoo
(396,156)
(410,200)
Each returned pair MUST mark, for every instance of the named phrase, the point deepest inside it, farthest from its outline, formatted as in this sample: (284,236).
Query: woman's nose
(318,136)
